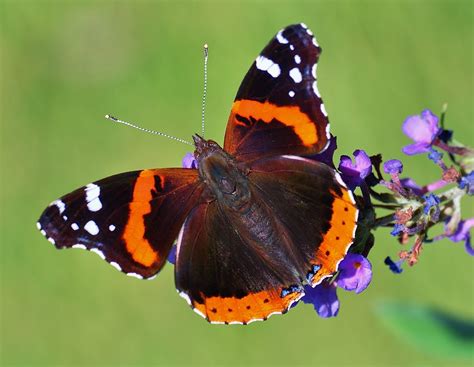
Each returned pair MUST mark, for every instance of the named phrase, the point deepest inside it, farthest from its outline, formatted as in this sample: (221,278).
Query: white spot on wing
(38,225)
(98,252)
(304,25)
(43,232)
(309,32)
(74,226)
(295,74)
(323,110)
(316,90)
(64,217)
(313,70)
(274,70)
(135,275)
(328,131)
(91,227)
(92,197)
(186,297)
(292,47)
(111,228)
(297,59)
(116,266)
(61,206)
(199,312)
(280,37)
(78,245)
(51,240)
(265,64)
(291,93)
(315,42)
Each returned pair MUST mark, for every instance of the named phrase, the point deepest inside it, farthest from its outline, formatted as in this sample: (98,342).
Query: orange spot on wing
(288,115)
(134,233)
(337,240)
(255,306)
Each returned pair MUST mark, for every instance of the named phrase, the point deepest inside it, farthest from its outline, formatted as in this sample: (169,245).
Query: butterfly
(253,223)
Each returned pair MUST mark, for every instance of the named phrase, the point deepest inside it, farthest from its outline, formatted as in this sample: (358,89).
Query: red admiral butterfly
(255,221)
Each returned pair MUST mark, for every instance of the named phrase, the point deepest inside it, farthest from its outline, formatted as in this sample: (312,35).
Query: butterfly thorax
(225,178)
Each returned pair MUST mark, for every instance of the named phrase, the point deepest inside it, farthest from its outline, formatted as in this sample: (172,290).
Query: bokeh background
(65,64)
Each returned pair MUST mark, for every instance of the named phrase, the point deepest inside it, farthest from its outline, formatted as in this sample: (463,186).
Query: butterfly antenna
(204,94)
(114,119)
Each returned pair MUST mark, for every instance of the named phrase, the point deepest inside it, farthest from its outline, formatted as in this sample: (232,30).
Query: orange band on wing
(134,233)
(290,116)
(253,307)
(337,240)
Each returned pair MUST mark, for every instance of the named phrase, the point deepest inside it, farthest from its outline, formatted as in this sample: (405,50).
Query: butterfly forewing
(278,108)
(130,219)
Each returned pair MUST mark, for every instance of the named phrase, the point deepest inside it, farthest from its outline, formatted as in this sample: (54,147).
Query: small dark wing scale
(278,108)
(238,267)
(130,220)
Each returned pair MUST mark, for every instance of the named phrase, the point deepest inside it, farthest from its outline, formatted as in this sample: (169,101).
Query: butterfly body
(253,223)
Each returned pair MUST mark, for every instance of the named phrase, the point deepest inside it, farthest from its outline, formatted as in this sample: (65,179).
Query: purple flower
(435,156)
(189,161)
(393,167)
(423,130)
(355,273)
(463,234)
(395,267)
(431,200)
(324,299)
(326,157)
(409,183)
(355,173)
(172,255)
(467,181)
(397,229)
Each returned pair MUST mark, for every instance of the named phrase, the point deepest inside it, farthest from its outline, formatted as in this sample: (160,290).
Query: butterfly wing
(130,220)
(238,267)
(278,108)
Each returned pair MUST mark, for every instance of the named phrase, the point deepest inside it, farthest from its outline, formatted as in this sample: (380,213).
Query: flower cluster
(414,210)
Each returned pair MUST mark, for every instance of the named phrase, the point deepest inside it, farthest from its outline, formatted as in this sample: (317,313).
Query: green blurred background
(65,64)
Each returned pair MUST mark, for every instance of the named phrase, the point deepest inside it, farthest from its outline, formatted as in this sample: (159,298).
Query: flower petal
(416,148)
(362,163)
(324,299)
(355,273)
(189,161)
(421,128)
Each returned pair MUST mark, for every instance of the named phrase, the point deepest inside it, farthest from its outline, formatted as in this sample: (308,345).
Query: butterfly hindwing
(315,207)
(226,275)
(130,220)
(278,108)
(241,266)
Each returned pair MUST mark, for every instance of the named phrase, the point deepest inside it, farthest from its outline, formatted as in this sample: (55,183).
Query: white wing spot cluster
(91,227)
(92,197)
(265,64)
(297,59)
(74,226)
(295,74)
(111,228)
(280,37)
(291,93)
